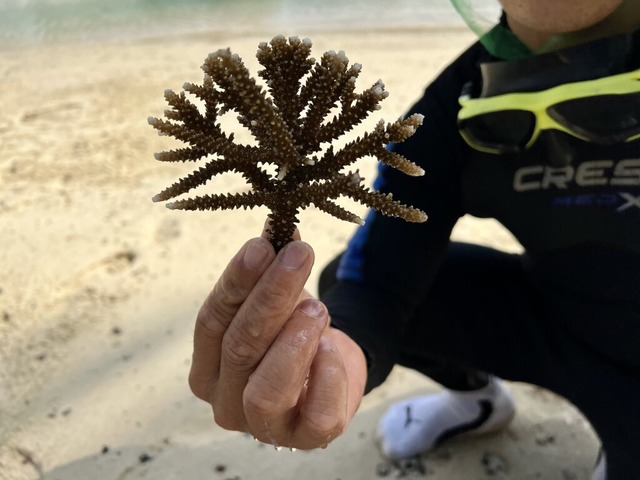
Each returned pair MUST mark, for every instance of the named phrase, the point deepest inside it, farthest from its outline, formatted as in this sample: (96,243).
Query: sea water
(29,21)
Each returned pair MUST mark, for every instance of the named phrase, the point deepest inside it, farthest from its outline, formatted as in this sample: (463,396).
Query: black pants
(482,315)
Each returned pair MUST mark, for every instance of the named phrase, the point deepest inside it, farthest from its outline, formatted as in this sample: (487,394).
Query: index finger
(219,309)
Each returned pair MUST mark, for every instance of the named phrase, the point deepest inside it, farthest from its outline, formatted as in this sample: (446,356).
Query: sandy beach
(99,286)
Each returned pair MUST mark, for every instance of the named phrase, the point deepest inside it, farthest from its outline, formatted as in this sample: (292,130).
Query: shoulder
(440,98)
(463,69)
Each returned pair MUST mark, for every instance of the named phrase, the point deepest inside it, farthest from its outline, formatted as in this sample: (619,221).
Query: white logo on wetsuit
(587,174)
(632,201)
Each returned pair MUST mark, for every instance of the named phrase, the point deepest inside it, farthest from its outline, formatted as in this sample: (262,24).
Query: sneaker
(416,425)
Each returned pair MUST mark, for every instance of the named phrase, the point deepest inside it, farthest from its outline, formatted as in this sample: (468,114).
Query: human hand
(265,356)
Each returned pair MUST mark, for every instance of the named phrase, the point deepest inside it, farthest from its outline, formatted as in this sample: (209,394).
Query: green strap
(502,43)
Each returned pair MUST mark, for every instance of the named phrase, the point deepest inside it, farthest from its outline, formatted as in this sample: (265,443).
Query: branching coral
(305,106)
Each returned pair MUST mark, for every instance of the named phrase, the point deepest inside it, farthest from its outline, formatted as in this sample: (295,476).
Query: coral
(305,106)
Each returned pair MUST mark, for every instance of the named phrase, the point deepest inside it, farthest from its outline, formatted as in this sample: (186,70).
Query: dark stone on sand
(144,458)
(383,469)
(545,440)
(494,464)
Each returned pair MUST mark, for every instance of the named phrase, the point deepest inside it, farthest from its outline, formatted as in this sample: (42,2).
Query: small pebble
(545,440)
(144,458)
(383,469)
(494,464)
(417,466)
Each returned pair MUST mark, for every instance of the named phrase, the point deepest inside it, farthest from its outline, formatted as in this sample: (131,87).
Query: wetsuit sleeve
(389,264)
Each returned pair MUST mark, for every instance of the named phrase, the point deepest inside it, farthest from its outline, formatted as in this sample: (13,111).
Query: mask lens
(602,119)
(505,131)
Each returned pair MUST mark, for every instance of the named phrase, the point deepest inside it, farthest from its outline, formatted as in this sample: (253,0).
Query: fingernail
(294,255)
(255,255)
(313,308)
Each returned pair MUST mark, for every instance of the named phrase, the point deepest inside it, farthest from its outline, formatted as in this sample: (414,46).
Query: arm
(389,265)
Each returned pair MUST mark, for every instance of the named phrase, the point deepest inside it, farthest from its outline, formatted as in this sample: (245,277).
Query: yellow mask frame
(543,108)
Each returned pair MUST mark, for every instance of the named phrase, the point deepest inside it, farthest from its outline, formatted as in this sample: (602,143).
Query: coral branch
(284,66)
(353,114)
(306,104)
(223,201)
(337,211)
(385,204)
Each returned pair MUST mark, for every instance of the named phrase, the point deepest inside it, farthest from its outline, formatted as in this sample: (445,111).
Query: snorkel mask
(571,91)
(585,93)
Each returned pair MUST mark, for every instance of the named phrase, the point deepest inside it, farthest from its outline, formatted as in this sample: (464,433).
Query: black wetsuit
(564,315)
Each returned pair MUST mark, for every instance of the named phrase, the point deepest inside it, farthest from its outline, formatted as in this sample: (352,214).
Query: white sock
(600,470)
(418,424)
